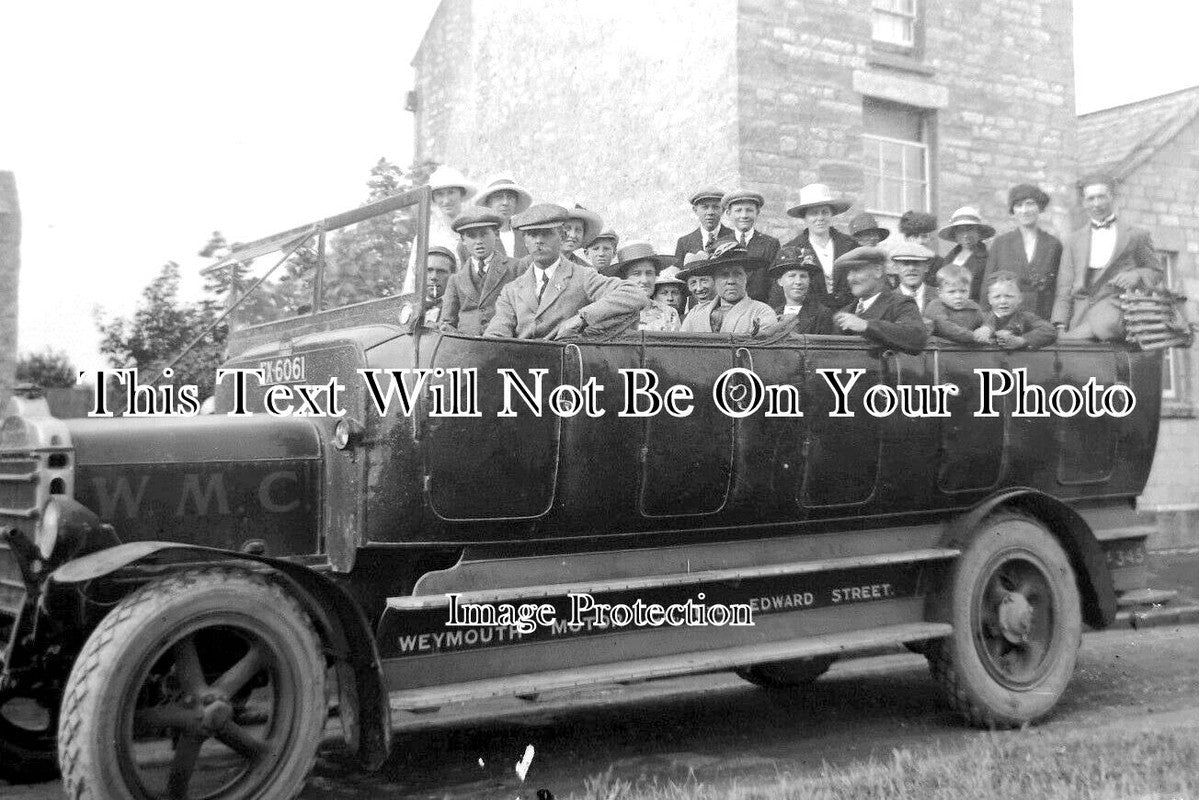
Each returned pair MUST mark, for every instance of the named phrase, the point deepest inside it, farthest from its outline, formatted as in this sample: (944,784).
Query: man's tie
(741,236)
(545,281)
(710,245)
(481,269)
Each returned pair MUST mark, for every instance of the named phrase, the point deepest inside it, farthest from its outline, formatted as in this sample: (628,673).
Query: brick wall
(1008,115)
(625,107)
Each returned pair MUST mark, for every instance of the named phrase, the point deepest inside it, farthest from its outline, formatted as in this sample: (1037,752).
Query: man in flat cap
(882,317)
(732,310)
(742,207)
(440,265)
(1100,261)
(705,203)
(911,263)
(798,274)
(601,251)
(555,298)
(472,291)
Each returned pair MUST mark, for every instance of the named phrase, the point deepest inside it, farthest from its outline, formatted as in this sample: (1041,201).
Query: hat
(1026,191)
(816,194)
(476,217)
(669,276)
(861,257)
(438,250)
(592,224)
(966,217)
(794,257)
(914,223)
(689,260)
(727,253)
(707,193)
(501,183)
(633,252)
(606,233)
(738,195)
(446,177)
(912,251)
(866,223)
(540,217)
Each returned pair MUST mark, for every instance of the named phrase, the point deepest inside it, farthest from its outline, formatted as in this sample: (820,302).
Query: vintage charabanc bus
(181,596)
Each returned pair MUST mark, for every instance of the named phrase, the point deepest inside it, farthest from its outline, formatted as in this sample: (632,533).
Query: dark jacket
(977,264)
(521,250)
(1038,278)
(1036,331)
(1133,251)
(764,247)
(812,318)
(839,295)
(893,322)
(469,306)
(694,242)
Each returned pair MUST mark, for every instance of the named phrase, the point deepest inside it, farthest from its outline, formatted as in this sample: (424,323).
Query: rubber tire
(955,662)
(786,674)
(137,627)
(24,761)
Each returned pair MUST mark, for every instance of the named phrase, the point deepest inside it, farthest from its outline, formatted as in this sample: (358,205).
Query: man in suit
(882,317)
(555,298)
(732,310)
(911,261)
(706,205)
(742,207)
(1101,261)
(506,197)
(802,311)
(817,207)
(1028,251)
(472,291)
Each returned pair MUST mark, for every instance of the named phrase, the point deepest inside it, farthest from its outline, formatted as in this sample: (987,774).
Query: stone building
(10,266)
(627,107)
(1152,148)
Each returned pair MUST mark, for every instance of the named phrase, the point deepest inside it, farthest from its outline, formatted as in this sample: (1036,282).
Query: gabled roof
(1120,139)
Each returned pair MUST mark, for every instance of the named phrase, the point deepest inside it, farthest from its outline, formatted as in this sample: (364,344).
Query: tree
(159,330)
(48,369)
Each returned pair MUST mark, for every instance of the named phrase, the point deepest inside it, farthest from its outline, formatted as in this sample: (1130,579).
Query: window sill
(1176,409)
(906,63)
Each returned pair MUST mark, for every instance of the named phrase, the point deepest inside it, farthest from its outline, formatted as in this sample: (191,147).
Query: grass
(1029,765)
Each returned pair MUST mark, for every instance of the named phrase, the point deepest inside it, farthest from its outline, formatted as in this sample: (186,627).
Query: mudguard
(342,625)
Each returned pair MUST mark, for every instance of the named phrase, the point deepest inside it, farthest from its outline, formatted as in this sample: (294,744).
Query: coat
(893,321)
(1133,251)
(977,264)
(813,318)
(839,294)
(764,247)
(694,242)
(1038,278)
(605,303)
(1036,331)
(469,306)
(745,316)
(956,326)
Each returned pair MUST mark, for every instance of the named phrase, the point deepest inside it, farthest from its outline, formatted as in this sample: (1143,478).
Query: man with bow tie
(882,317)
(1101,261)
(473,290)
(555,298)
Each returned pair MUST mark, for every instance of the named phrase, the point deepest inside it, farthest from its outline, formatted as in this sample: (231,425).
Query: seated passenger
(732,310)
(879,315)
(1013,327)
(911,265)
(470,297)
(582,227)
(601,251)
(801,278)
(555,298)
(440,264)
(639,264)
(953,315)
(671,290)
(743,206)
(700,288)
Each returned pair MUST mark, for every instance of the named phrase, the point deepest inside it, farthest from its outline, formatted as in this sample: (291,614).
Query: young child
(953,315)
(1012,327)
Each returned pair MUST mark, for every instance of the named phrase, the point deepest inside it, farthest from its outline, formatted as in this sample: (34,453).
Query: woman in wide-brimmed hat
(506,197)
(731,310)
(670,289)
(968,230)
(640,264)
(816,207)
(1028,250)
(578,231)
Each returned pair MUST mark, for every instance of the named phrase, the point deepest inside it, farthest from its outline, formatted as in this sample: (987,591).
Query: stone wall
(625,108)
(10,266)
(997,79)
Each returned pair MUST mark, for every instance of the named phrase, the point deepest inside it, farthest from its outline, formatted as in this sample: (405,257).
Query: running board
(835,644)
(427,601)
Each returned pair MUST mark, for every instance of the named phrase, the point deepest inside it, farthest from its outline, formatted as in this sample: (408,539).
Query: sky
(136,128)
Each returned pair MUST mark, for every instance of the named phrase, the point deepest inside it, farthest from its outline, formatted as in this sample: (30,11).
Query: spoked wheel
(1017,625)
(786,674)
(28,729)
(208,684)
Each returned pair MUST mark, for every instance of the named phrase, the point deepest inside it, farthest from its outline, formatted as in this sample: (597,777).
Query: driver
(556,298)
